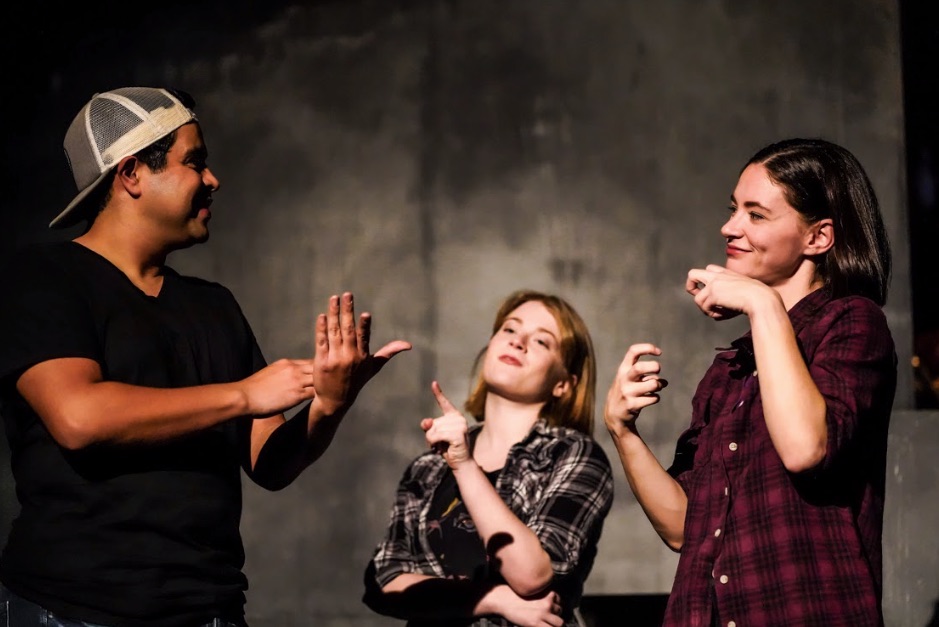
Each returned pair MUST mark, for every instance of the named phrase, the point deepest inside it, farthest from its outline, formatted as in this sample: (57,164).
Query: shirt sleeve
(683,462)
(854,367)
(44,317)
(397,553)
(570,515)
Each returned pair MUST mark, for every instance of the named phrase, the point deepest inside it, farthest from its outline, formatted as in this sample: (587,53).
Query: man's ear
(128,175)
(820,237)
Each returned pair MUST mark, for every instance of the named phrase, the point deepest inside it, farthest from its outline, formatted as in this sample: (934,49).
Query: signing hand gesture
(722,294)
(447,433)
(637,385)
(279,386)
(343,364)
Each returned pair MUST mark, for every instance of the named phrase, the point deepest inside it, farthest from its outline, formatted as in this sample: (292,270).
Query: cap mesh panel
(111,121)
(147,99)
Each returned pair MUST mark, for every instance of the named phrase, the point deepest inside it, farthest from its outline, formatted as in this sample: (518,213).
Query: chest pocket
(522,485)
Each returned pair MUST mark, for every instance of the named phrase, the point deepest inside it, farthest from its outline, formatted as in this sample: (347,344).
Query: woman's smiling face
(766,237)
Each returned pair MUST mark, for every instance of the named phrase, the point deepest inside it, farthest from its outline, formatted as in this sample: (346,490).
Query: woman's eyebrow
(750,204)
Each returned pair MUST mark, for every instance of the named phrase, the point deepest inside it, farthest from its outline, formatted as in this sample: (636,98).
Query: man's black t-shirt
(129,535)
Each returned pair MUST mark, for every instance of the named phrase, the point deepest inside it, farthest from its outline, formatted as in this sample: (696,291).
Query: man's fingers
(391,349)
(442,400)
(332,317)
(321,340)
(363,333)
(347,316)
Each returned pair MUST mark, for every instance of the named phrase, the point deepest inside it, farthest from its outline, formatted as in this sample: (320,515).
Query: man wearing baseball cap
(133,396)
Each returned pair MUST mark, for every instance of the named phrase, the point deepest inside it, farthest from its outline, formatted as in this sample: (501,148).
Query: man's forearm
(411,596)
(293,445)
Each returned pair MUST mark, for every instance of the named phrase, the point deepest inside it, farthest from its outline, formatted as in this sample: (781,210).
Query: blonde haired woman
(498,523)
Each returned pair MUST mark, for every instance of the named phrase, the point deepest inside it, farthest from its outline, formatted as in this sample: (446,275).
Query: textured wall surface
(434,156)
(911,544)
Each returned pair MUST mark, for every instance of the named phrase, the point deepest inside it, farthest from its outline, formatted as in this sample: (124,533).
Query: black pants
(15,611)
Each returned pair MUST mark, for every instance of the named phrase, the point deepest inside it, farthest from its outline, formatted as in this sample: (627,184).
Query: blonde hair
(575,408)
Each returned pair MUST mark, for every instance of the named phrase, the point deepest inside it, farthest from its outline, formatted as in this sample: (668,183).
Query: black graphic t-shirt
(452,533)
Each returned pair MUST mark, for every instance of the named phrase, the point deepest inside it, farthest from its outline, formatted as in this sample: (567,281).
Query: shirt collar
(741,349)
(805,309)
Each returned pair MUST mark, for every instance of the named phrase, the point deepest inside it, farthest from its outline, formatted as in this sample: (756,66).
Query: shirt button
(726,491)
(732,446)
(724,579)
(717,532)
(731,624)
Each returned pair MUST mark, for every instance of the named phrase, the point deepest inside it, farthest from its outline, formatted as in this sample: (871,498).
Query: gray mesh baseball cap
(114,125)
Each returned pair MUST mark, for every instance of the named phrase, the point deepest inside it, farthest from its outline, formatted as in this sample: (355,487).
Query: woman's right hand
(447,434)
(541,610)
(636,386)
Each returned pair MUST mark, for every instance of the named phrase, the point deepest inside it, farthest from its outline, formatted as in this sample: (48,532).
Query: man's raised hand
(343,363)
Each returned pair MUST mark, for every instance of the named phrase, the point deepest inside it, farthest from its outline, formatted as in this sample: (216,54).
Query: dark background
(920,39)
(57,50)
(306,545)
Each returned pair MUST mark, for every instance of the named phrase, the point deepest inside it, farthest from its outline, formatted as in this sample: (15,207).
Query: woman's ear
(564,386)
(820,237)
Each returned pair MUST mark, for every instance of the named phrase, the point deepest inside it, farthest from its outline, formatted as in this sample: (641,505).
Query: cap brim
(71,214)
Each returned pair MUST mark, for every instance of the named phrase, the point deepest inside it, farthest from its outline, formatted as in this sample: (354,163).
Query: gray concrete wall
(434,156)
(911,521)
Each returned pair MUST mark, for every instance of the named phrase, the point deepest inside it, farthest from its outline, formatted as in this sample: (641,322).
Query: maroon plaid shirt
(767,546)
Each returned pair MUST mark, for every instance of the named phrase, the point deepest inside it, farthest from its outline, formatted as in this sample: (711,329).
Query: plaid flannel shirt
(557,481)
(769,546)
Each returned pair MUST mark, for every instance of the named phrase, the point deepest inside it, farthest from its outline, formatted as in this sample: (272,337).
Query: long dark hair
(823,180)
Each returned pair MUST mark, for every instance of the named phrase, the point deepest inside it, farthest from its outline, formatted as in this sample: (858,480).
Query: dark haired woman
(775,497)
(498,524)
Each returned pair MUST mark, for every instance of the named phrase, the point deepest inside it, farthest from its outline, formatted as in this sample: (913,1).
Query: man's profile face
(179,195)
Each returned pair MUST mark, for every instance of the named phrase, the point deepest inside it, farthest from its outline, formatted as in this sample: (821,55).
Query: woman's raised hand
(637,385)
(447,434)
(723,294)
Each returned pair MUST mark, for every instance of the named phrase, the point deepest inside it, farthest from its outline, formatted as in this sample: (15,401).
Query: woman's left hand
(540,610)
(723,294)
(447,434)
